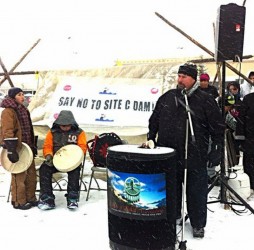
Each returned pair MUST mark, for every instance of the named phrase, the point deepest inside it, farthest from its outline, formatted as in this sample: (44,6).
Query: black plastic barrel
(141,197)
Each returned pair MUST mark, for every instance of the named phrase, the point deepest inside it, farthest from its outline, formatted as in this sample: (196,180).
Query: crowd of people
(187,119)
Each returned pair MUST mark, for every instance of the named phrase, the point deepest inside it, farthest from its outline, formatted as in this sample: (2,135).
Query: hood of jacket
(65,117)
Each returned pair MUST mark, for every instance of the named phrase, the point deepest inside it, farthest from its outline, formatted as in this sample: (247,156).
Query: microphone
(184,91)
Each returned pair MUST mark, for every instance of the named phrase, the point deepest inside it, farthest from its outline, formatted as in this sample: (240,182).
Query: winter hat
(229,100)
(189,70)
(251,74)
(14,91)
(204,77)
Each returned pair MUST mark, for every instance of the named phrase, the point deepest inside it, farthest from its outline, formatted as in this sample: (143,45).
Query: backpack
(97,147)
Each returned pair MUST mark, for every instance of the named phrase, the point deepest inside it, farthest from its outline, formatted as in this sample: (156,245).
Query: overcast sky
(84,33)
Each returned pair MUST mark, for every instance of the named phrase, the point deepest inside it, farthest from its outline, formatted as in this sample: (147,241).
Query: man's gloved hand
(13,156)
(49,160)
(214,156)
(11,145)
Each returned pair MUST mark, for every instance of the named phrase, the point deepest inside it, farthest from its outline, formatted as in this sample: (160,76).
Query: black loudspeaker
(229,33)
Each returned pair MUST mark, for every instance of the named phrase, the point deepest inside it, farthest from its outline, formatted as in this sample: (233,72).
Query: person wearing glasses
(64,131)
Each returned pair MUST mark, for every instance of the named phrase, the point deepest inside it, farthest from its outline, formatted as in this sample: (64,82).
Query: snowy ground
(87,228)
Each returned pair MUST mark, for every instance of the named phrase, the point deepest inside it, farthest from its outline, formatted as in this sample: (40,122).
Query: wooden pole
(6,72)
(204,60)
(218,74)
(218,65)
(21,59)
(20,73)
(202,47)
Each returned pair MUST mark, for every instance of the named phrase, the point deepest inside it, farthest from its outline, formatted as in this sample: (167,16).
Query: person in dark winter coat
(16,123)
(168,124)
(204,79)
(205,86)
(64,131)
(245,134)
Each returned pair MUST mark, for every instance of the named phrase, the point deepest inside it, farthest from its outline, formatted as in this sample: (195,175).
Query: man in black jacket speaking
(167,128)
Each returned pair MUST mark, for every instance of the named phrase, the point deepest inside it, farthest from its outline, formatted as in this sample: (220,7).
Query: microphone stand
(189,116)
(182,244)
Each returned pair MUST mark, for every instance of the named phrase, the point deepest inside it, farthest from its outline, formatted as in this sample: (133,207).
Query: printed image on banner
(137,196)
(96,101)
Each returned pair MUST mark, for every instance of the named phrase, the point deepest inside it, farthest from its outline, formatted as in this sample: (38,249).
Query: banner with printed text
(106,101)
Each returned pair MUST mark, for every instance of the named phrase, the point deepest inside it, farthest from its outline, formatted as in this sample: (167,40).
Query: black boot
(22,207)
(198,232)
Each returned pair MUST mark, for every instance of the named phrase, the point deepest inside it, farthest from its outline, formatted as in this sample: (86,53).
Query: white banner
(106,101)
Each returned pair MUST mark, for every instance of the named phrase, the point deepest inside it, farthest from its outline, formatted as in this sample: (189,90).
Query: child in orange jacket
(64,131)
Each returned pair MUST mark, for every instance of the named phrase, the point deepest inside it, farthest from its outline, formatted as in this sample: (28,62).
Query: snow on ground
(87,227)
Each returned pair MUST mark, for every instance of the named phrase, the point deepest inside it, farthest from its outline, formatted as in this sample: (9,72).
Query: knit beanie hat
(14,91)
(204,77)
(189,70)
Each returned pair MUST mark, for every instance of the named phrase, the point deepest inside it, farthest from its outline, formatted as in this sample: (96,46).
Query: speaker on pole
(229,33)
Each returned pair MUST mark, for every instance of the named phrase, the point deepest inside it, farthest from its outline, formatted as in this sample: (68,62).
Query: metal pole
(222,165)
(182,244)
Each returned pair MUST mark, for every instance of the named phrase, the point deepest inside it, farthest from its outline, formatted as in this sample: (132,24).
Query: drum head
(68,158)
(25,160)
(97,147)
